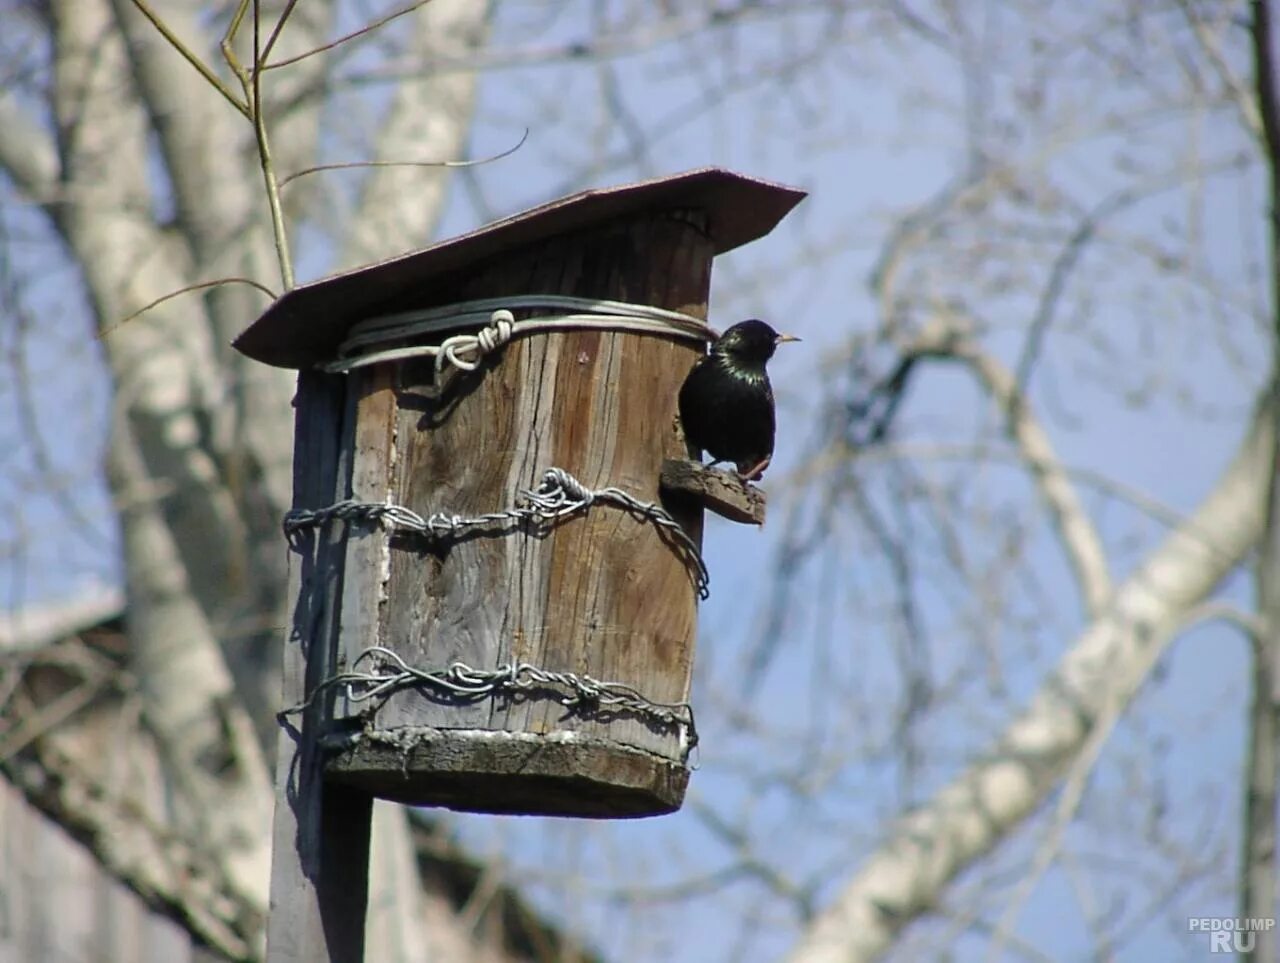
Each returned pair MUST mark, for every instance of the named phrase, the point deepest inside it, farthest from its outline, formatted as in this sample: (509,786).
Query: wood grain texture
(603,593)
(472,770)
(367,560)
(722,492)
(320,835)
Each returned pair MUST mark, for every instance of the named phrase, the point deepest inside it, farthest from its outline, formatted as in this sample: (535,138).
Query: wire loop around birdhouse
(558,495)
(378,672)
(383,338)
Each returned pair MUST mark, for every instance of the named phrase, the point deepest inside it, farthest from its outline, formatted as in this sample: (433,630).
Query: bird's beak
(787,337)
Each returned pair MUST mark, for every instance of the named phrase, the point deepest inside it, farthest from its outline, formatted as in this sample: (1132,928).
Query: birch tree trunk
(1098,675)
(201,450)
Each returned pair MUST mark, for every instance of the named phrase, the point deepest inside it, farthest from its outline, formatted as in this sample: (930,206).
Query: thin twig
(819,467)
(199,286)
(319,168)
(251,81)
(228,51)
(275,34)
(1069,257)
(35,721)
(367,28)
(190,57)
(1241,96)
(264,157)
(1249,623)
(1059,274)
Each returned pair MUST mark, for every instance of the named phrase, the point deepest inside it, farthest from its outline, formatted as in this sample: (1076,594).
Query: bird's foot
(756,471)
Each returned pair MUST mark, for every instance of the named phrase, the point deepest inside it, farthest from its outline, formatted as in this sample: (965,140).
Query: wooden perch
(723,492)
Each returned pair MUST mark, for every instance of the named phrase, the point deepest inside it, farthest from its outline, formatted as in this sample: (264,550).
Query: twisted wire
(558,495)
(391,673)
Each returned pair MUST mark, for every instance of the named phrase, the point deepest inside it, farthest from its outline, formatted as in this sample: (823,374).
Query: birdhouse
(494,594)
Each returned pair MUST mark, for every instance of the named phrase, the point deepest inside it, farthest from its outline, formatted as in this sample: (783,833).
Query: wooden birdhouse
(494,596)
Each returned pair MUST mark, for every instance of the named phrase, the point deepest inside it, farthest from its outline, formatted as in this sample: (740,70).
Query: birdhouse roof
(306,325)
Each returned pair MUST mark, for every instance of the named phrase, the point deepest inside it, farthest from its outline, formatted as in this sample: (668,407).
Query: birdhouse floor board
(482,771)
(719,491)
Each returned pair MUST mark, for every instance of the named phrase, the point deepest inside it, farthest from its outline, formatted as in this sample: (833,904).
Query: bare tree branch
(246,419)
(203,732)
(354,165)
(399,206)
(1210,42)
(364,31)
(203,69)
(904,877)
(1073,789)
(1080,539)
(1265,79)
(161,363)
(84,773)
(27,152)
(37,627)
(187,289)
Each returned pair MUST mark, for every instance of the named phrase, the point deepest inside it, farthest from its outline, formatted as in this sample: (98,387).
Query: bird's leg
(756,471)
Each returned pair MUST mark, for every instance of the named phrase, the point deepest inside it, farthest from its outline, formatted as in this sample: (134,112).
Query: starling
(726,402)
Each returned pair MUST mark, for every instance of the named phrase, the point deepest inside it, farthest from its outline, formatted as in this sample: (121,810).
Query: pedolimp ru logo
(1231,934)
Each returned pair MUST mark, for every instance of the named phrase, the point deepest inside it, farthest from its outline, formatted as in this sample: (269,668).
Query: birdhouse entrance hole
(498,599)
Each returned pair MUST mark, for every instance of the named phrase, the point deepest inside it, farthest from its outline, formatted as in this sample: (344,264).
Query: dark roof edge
(307,323)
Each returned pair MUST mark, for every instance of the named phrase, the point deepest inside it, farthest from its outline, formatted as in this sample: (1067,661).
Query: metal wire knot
(466,351)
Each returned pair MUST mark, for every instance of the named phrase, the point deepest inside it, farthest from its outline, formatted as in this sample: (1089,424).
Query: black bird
(726,402)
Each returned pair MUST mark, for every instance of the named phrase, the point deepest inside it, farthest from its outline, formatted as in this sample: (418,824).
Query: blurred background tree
(988,695)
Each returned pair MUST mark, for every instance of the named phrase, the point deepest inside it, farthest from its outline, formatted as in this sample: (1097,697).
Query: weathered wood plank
(368,548)
(526,632)
(320,844)
(722,492)
(472,770)
(616,580)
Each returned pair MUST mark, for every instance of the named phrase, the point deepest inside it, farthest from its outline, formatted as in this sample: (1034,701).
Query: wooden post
(320,837)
